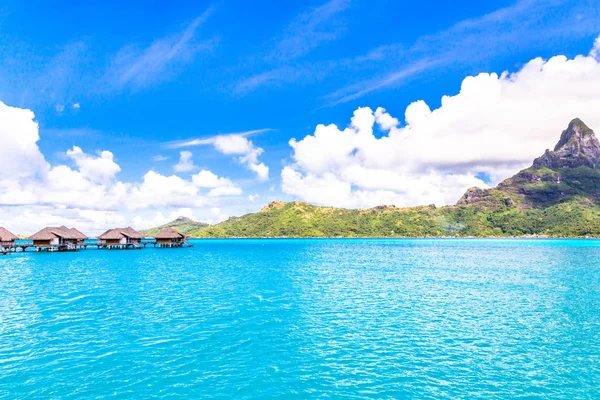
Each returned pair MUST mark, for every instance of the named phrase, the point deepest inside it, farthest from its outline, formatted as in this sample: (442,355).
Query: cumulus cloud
(219,186)
(98,169)
(225,191)
(185,163)
(234,144)
(20,156)
(88,193)
(496,125)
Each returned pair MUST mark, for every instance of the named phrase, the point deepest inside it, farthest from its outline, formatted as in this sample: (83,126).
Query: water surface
(305,319)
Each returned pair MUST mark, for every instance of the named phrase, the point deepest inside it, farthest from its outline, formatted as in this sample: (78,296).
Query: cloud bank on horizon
(88,193)
(496,125)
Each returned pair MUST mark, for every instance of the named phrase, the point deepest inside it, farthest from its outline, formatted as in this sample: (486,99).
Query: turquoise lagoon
(305,319)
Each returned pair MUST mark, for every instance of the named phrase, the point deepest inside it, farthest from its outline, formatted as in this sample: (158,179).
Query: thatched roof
(78,234)
(169,233)
(120,233)
(6,236)
(53,233)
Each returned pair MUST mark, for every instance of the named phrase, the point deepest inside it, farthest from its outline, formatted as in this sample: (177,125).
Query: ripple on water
(305,318)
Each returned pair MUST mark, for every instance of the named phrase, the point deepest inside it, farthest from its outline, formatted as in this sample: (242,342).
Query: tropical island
(558,196)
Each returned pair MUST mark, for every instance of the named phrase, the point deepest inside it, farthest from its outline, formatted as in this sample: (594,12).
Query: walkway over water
(27,245)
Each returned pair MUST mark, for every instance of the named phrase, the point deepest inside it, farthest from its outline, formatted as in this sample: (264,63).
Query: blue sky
(131,78)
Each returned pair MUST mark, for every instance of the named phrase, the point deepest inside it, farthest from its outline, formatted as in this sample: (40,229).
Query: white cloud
(219,186)
(524,25)
(385,120)
(185,163)
(34,193)
(252,197)
(76,106)
(236,144)
(232,144)
(207,179)
(159,158)
(20,157)
(97,169)
(249,153)
(225,191)
(60,108)
(216,216)
(496,125)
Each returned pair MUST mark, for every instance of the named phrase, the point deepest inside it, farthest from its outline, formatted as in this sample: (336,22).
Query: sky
(117,114)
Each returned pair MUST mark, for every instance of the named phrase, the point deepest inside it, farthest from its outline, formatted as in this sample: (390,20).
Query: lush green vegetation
(558,196)
(182,224)
(536,201)
(569,219)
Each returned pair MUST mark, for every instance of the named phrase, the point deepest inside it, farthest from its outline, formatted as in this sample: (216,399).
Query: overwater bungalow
(81,238)
(169,237)
(57,239)
(7,241)
(120,238)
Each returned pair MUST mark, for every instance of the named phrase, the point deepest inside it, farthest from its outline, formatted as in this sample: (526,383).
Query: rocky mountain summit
(578,146)
(566,173)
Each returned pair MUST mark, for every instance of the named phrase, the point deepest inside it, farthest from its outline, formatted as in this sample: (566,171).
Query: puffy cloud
(496,125)
(207,179)
(225,191)
(385,120)
(33,193)
(20,156)
(219,186)
(157,190)
(98,169)
(252,197)
(185,163)
(233,144)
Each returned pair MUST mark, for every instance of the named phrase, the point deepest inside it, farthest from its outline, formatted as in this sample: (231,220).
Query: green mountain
(559,195)
(183,225)
(567,174)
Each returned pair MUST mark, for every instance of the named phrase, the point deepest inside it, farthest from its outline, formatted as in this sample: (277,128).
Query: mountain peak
(578,146)
(273,205)
(183,219)
(576,131)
